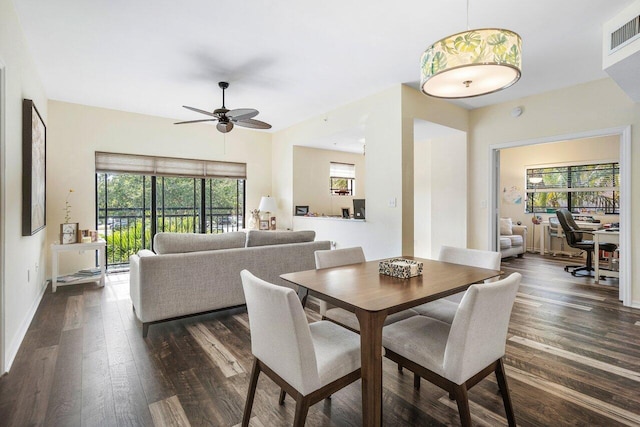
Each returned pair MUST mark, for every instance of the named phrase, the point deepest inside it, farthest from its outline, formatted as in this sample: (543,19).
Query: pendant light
(471,63)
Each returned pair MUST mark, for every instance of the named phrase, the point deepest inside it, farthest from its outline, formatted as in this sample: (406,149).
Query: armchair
(512,239)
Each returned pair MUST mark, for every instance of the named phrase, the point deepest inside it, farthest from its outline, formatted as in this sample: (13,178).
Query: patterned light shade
(472,63)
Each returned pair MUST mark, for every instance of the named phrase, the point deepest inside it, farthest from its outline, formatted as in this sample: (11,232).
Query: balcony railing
(129,230)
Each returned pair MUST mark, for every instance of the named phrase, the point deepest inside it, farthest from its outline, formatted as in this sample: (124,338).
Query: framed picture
(302,210)
(69,233)
(264,224)
(34,159)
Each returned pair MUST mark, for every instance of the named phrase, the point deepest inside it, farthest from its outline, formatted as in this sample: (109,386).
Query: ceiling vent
(621,50)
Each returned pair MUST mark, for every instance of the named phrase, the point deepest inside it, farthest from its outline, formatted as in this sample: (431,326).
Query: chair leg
(504,390)
(416,381)
(283,394)
(302,408)
(253,383)
(462,399)
(399,367)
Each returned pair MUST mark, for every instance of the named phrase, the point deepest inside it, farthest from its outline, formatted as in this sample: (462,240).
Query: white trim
(624,132)
(3,151)
(12,349)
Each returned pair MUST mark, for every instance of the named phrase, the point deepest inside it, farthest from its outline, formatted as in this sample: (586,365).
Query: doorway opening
(624,135)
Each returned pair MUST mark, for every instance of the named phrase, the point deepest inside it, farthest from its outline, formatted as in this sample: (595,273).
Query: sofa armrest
(519,229)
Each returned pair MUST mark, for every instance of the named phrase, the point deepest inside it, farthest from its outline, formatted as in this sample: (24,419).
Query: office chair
(575,239)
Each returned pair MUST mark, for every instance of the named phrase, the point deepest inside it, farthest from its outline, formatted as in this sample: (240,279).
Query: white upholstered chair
(457,356)
(307,361)
(445,308)
(342,257)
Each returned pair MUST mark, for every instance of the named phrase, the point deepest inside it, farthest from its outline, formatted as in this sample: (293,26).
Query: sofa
(191,274)
(513,238)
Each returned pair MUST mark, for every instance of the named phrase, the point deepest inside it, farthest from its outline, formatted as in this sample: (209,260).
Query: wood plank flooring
(573,358)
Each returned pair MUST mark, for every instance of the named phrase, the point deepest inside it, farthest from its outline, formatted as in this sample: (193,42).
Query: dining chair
(307,361)
(342,257)
(456,356)
(444,309)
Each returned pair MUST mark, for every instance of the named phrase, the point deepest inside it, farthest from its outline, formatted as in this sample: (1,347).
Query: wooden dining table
(361,289)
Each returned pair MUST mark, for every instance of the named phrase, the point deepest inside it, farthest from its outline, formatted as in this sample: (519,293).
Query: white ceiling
(289,59)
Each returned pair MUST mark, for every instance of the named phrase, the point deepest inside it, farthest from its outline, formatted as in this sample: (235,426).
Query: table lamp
(268,205)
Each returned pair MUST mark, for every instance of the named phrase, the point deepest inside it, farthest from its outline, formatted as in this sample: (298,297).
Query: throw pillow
(506,227)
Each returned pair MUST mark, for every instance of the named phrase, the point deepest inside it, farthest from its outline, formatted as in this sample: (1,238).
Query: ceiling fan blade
(195,121)
(197,110)
(224,127)
(242,114)
(254,124)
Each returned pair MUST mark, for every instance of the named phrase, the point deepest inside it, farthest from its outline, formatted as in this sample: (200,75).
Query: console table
(100,246)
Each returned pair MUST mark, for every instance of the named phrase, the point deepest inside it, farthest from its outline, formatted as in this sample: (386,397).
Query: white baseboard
(635,304)
(12,349)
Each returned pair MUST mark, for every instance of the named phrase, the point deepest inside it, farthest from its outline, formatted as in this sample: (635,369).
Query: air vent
(625,33)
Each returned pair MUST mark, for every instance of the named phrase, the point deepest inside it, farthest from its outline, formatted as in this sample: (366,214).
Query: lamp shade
(471,63)
(268,204)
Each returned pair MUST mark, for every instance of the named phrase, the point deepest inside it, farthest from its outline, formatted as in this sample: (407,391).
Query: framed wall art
(302,210)
(34,159)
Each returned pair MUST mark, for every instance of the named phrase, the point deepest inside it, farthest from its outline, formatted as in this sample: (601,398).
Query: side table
(100,246)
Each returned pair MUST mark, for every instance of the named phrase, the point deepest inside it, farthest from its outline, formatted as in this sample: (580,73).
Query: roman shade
(168,166)
(342,170)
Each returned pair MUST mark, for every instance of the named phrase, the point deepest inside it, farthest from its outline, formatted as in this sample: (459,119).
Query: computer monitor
(358,208)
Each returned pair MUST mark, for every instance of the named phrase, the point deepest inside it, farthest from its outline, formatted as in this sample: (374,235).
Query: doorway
(624,134)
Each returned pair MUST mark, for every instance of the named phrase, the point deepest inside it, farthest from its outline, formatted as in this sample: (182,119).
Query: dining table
(372,296)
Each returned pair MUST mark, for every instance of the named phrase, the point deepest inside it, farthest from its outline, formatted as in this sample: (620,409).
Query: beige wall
(581,108)
(515,161)
(78,131)
(311,180)
(22,270)
(415,105)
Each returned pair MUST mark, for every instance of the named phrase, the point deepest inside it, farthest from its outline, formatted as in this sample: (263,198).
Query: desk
(372,296)
(544,227)
(603,236)
(100,246)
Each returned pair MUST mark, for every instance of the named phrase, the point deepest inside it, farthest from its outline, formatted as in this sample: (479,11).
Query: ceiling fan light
(224,127)
(471,63)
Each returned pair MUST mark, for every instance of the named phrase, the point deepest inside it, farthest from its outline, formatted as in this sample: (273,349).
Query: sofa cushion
(505,226)
(176,243)
(505,243)
(266,238)
(516,240)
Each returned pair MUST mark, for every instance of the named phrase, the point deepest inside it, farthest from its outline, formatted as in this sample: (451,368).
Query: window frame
(556,191)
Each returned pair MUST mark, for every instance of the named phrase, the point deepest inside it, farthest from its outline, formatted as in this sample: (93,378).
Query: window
(580,188)
(342,177)
(139,196)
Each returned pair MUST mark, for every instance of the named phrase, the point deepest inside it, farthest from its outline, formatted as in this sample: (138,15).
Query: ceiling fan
(227,118)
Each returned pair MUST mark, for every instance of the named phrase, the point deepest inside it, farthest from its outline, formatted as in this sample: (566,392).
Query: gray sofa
(197,273)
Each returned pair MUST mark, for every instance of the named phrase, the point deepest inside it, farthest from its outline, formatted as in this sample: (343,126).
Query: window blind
(168,166)
(342,170)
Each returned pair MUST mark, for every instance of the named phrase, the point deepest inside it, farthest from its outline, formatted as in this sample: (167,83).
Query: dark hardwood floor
(573,358)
